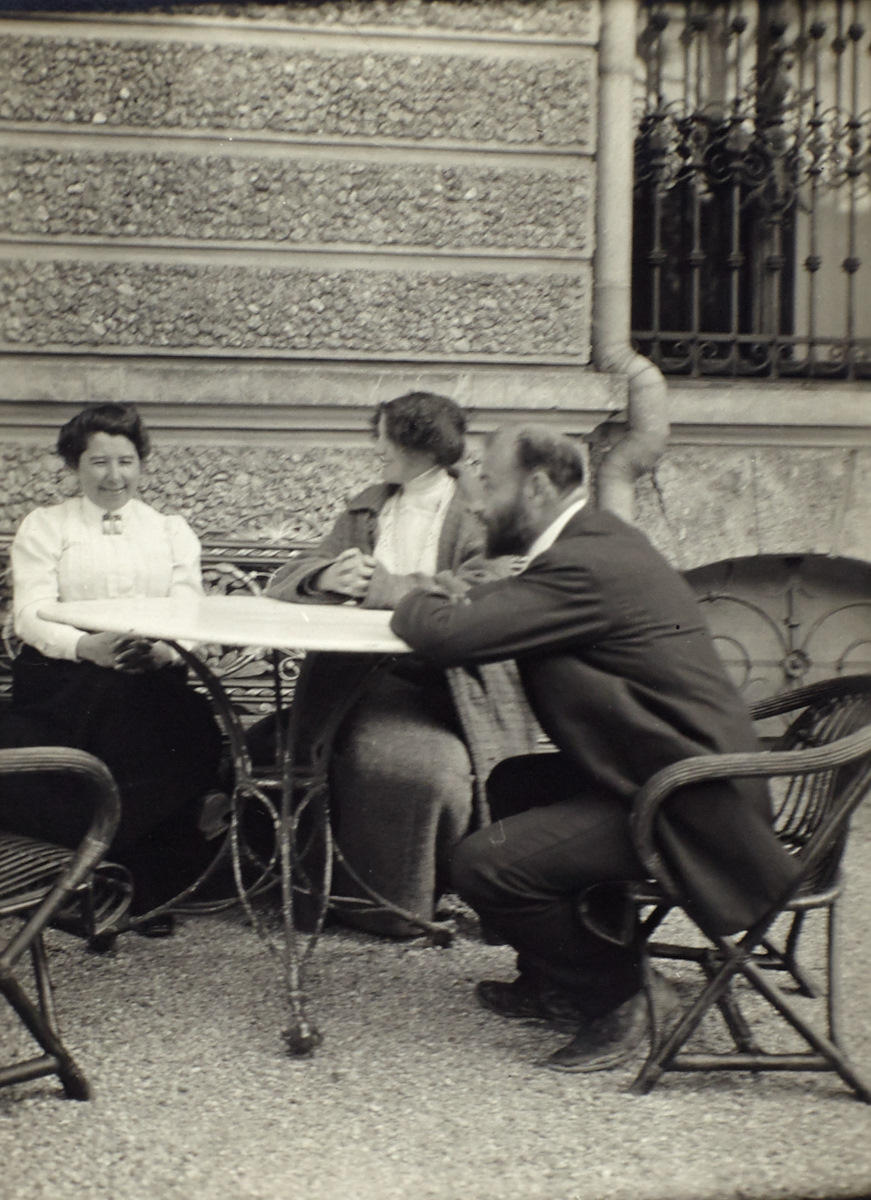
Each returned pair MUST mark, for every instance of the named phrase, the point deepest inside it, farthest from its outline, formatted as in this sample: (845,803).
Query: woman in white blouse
(121,697)
(409,755)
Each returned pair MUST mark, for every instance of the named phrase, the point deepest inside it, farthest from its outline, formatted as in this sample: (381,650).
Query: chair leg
(827,1050)
(42,976)
(833,987)
(664,1048)
(86,896)
(741,1033)
(788,961)
(39,1021)
(805,987)
(74,1083)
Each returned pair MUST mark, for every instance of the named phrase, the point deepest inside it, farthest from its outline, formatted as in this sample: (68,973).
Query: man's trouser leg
(524,873)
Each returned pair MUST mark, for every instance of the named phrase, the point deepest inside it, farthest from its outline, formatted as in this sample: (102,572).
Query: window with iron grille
(752,226)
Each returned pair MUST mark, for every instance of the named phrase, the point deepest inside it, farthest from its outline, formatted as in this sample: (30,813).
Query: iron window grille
(752,222)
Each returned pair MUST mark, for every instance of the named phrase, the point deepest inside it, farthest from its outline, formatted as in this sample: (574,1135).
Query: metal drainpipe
(643,444)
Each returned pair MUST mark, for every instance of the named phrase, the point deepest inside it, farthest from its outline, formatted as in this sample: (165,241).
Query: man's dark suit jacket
(623,676)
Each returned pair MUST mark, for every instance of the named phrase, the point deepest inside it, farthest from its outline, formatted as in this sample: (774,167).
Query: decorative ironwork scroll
(260,681)
(783,621)
(752,234)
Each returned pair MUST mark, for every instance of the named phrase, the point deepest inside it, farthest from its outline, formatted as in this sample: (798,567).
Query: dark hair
(117,419)
(424,422)
(538,448)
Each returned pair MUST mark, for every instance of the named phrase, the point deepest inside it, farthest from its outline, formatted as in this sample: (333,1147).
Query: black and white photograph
(435,596)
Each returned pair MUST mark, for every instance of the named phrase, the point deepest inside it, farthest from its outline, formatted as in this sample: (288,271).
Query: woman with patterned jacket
(412,756)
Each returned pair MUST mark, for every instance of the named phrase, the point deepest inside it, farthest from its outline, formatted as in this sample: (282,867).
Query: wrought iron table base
(304,789)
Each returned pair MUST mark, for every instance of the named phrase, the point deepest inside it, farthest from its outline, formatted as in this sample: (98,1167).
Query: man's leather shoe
(522,999)
(613,1039)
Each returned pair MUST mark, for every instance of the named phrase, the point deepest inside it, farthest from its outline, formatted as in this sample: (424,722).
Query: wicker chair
(822,769)
(37,882)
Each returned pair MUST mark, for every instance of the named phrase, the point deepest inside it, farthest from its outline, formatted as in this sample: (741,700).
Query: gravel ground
(416,1092)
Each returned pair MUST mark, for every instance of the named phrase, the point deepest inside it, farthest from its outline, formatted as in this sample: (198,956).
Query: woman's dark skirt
(157,737)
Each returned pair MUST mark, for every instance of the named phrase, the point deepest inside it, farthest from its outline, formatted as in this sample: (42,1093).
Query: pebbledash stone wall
(229,197)
(323,93)
(255,221)
(261,152)
(256,310)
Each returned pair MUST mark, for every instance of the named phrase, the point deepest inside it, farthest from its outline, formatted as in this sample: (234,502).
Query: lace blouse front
(68,552)
(410,523)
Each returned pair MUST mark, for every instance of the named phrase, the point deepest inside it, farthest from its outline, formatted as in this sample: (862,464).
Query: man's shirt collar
(548,536)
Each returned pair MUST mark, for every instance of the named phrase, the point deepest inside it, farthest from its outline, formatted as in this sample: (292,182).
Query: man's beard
(508,531)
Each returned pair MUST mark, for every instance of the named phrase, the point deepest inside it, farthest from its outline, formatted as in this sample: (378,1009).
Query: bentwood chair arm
(702,768)
(813,694)
(100,790)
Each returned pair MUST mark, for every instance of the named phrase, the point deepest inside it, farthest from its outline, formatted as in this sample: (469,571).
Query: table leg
(305,791)
(245,791)
(304,795)
(302,1037)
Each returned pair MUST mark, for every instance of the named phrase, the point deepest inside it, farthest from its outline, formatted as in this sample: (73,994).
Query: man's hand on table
(453,589)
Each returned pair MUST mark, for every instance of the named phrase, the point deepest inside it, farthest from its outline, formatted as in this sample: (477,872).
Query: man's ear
(539,487)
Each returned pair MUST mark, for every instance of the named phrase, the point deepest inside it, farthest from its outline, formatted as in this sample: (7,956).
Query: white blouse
(61,552)
(410,523)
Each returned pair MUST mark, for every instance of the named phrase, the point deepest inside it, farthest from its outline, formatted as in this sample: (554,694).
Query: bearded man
(623,676)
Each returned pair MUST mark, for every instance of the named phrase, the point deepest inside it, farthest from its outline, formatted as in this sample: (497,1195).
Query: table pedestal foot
(301,1038)
(439,937)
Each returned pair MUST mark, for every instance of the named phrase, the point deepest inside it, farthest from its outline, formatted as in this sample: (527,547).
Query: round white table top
(236,621)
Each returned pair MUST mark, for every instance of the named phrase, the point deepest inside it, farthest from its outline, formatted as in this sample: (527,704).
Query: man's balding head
(536,447)
(529,475)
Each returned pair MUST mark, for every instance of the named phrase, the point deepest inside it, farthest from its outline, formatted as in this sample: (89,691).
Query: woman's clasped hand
(349,575)
(124,652)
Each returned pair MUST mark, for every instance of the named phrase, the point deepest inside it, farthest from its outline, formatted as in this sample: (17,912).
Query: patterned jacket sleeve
(294,582)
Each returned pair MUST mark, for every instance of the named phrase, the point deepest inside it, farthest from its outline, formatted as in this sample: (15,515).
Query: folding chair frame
(727,957)
(60,873)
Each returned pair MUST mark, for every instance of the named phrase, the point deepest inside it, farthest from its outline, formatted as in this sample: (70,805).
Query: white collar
(428,491)
(93,513)
(548,536)
(426,481)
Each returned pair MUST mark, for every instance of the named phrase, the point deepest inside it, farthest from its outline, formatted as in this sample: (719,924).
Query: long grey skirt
(401,788)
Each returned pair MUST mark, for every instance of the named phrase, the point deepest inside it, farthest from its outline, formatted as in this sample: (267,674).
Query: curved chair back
(803,803)
(36,879)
